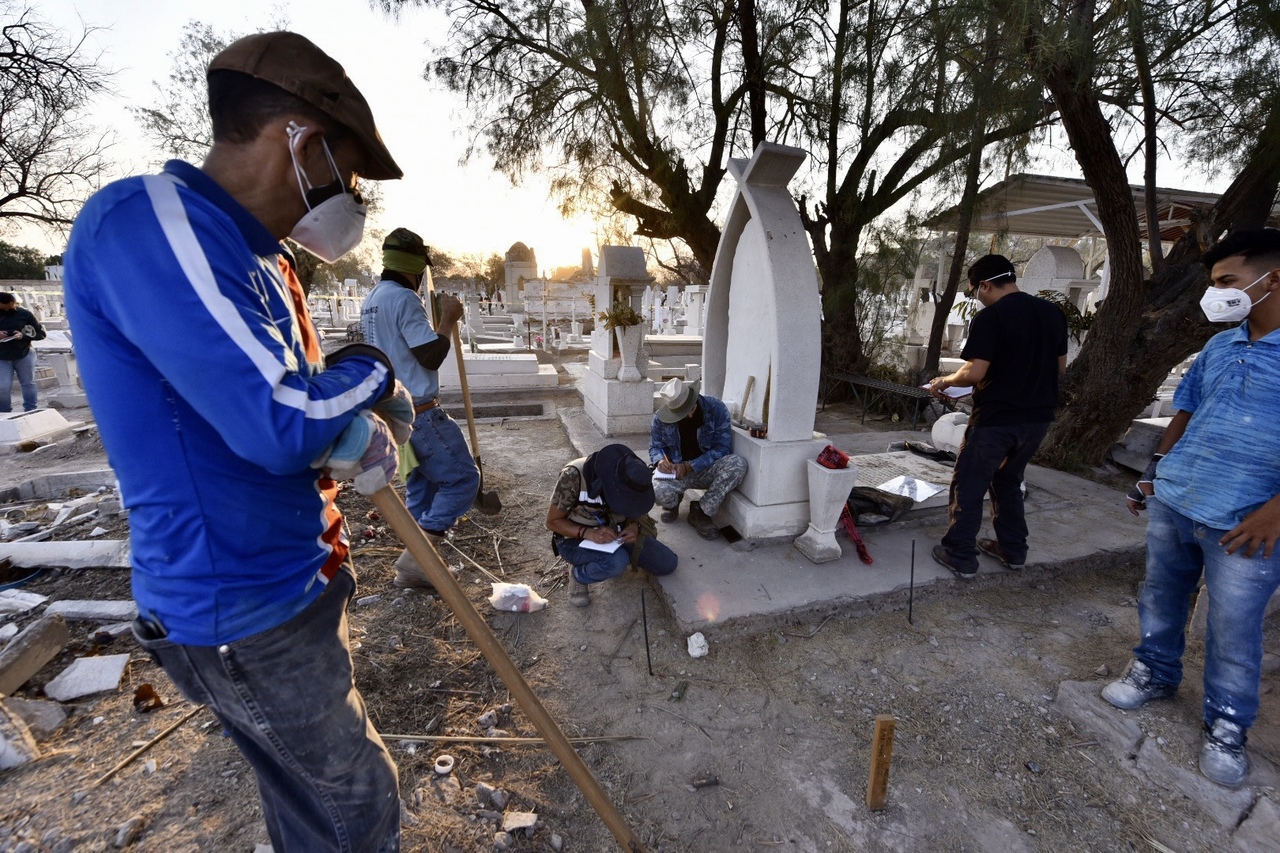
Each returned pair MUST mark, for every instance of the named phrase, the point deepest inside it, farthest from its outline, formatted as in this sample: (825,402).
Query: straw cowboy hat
(677,399)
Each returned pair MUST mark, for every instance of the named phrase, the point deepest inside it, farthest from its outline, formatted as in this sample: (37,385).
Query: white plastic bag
(698,645)
(516,597)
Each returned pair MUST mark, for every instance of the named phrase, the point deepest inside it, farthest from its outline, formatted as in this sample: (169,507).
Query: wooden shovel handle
(466,393)
(397,515)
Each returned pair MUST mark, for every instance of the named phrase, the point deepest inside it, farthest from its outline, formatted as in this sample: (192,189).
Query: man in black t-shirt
(1016,351)
(18,328)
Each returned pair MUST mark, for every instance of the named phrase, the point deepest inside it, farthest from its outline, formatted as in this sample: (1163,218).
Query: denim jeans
(25,368)
(443,486)
(719,478)
(1178,548)
(994,459)
(590,566)
(287,698)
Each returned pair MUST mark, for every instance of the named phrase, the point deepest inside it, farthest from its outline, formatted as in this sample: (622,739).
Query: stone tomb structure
(762,344)
(615,399)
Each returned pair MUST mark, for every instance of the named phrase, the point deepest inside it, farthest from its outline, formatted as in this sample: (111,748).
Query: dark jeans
(591,566)
(991,459)
(287,698)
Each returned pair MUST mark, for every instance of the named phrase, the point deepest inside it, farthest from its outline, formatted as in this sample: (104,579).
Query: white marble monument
(617,401)
(762,343)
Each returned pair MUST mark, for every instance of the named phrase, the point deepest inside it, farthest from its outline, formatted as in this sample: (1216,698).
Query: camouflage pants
(722,477)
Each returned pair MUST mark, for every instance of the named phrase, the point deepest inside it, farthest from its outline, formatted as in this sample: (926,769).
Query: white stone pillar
(828,491)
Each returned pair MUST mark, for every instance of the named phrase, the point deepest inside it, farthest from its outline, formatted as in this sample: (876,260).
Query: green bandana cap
(399,261)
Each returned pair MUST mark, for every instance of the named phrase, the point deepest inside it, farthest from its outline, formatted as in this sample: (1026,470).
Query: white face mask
(1229,304)
(334,224)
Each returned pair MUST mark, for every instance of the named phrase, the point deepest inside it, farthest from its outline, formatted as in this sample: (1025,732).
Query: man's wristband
(582,532)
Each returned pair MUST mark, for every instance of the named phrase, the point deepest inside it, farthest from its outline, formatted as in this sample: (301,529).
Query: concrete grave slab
(876,469)
(94,611)
(57,485)
(74,554)
(40,426)
(17,601)
(42,718)
(86,676)
(40,643)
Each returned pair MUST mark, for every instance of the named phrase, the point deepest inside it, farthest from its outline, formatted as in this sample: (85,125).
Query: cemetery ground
(1001,740)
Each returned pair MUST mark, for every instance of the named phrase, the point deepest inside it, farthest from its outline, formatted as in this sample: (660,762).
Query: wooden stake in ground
(881,758)
(397,515)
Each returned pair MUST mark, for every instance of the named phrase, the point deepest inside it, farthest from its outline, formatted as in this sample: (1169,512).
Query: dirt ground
(779,723)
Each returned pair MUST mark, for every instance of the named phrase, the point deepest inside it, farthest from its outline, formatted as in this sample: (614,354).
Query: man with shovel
(443,484)
(228,428)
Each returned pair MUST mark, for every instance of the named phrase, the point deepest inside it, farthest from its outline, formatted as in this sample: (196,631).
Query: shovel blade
(488,502)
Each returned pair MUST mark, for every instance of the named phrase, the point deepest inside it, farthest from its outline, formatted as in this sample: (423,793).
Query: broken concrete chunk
(94,611)
(42,718)
(40,643)
(516,821)
(74,554)
(17,746)
(17,601)
(87,676)
(7,632)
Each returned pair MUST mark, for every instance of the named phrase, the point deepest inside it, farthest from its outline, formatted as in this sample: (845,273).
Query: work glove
(1148,476)
(396,409)
(364,452)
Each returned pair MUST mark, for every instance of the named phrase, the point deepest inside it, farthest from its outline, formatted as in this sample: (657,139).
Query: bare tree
(50,161)
(1214,70)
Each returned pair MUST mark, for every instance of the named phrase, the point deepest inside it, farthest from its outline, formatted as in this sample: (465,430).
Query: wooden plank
(881,757)
(41,642)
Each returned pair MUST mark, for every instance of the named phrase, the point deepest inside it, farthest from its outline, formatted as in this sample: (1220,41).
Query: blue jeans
(1178,548)
(25,368)
(591,566)
(444,485)
(994,459)
(287,698)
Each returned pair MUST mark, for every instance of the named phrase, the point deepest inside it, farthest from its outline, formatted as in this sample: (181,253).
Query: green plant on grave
(620,315)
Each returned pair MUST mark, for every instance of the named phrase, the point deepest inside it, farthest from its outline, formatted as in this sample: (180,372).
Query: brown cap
(296,65)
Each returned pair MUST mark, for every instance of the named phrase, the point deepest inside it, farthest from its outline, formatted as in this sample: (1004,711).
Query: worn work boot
(702,522)
(1136,688)
(1222,758)
(409,575)
(579,593)
(670,515)
(992,548)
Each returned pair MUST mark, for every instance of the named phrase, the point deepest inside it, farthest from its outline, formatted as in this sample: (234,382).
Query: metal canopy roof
(1046,206)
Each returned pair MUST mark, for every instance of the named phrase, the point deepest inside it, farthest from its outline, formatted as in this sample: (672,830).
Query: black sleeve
(431,355)
(983,337)
(40,334)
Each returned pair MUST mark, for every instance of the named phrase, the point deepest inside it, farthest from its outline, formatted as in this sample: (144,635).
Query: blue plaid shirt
(715,436)
(1227,463)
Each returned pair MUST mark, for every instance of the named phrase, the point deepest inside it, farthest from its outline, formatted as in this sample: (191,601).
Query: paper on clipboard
(955,392)
(608,547)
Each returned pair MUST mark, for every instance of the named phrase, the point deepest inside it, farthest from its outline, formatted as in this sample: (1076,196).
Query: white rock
(698,646)
(17,601)
(95,611)
(86,676)
(516,821)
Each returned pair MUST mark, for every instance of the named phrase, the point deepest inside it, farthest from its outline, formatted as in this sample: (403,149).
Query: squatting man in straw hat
(599,520)
(1212,496)
(689,445)
(228,428)
(443,483)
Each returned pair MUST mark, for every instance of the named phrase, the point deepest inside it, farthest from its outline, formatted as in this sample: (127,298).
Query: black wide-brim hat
(623,478)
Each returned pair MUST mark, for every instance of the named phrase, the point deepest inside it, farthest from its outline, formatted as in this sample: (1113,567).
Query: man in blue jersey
(1213,495)
(227,429)
(444,483)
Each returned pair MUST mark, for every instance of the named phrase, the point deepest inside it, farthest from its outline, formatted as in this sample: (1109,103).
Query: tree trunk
(1117,374)
(841,339)
(968,200)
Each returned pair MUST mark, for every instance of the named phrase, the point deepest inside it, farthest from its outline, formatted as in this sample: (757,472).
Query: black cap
(627,483)
(993,269)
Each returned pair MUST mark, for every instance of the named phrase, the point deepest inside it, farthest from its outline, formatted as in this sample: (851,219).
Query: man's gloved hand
(1137,495)
(396,408)
(364,452)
